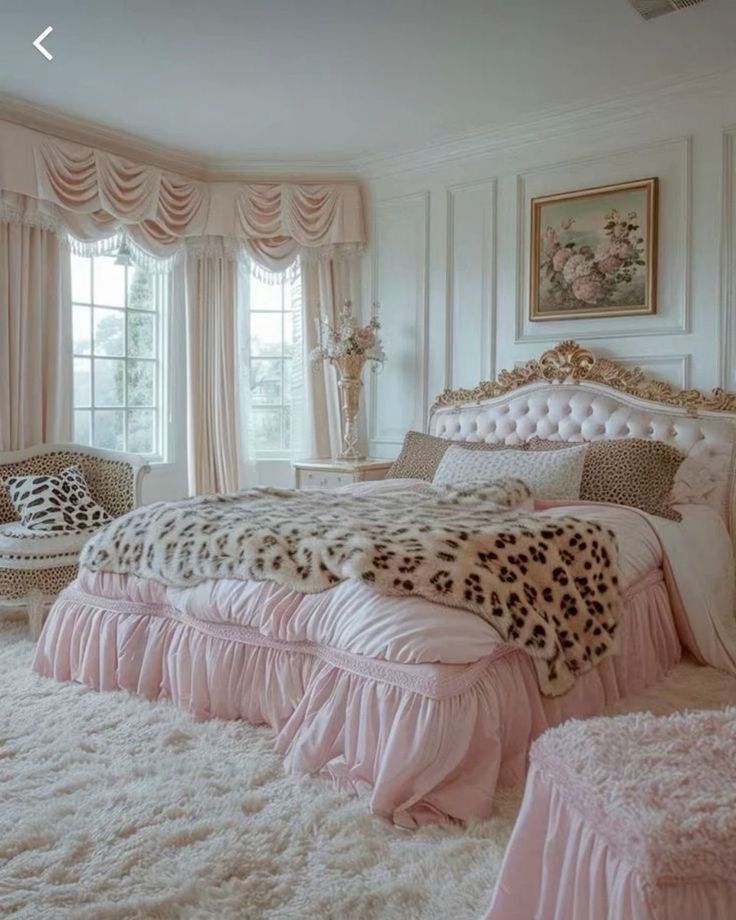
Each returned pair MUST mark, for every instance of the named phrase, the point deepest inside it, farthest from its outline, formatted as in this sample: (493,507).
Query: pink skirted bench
(626,818)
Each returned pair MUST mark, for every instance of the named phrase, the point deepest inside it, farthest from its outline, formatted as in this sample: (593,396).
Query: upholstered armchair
(35,567)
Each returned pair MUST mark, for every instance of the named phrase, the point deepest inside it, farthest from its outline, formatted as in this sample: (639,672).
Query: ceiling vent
(650,9)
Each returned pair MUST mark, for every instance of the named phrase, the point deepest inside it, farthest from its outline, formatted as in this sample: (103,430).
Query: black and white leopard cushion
(56,504)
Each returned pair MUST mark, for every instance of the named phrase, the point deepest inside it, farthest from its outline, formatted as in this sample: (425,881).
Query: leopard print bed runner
(547,585)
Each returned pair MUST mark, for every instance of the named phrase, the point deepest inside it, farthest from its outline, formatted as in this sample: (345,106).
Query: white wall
(450,243)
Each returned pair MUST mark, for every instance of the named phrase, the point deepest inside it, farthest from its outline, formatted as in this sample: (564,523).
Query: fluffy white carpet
(112,807)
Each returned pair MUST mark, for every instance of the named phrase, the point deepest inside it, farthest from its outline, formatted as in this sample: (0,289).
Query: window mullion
(92,351)
(158,393)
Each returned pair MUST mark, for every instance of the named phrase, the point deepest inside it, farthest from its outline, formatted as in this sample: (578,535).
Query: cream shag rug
(113,807)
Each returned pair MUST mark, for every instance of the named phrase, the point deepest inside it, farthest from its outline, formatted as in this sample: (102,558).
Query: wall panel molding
(621,328)
(672,368)
(398,397)
(471,259)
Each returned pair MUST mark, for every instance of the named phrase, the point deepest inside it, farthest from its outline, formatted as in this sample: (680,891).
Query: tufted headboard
(569,394)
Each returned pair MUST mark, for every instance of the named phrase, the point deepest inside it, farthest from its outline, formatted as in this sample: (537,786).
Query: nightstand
(329,474)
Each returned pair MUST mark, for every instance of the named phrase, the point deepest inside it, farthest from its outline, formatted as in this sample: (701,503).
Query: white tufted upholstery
(586,411)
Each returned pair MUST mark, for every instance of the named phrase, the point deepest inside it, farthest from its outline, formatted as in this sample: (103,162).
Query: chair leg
(36,611)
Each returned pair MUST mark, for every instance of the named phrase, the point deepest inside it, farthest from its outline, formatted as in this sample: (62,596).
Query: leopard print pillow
(421,454)
(626,471)
(56,504)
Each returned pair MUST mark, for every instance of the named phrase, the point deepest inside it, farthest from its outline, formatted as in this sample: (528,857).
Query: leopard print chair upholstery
(35,568)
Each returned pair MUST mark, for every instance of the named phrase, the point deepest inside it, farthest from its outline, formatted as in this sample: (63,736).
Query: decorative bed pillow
(626,471)
(56,504)
(549,474)
(421,453)
(698,483)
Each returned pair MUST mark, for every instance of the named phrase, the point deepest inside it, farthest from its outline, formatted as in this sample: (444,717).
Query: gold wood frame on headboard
(569,361)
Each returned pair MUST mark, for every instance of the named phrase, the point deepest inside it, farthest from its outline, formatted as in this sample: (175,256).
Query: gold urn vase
(350,384)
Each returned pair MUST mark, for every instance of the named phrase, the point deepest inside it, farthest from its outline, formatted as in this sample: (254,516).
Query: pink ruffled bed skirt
(558,866)
(424,741)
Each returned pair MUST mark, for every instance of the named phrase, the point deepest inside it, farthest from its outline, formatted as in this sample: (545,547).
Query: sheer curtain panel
(212,367)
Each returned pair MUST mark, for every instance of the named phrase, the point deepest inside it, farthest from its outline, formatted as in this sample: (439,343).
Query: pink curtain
(211,369)
(35,328)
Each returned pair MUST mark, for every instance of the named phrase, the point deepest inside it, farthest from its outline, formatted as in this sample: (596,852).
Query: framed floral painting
(594,252)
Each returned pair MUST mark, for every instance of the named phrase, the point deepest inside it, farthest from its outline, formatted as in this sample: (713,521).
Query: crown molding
(132,147)
(81,131)
(546,125)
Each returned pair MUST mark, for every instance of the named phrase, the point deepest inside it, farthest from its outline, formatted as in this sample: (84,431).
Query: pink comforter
(422,706)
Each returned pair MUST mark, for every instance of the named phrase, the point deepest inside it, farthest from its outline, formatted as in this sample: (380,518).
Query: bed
(424,713)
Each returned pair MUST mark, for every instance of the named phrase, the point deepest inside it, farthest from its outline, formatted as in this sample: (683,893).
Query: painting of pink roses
(594,252)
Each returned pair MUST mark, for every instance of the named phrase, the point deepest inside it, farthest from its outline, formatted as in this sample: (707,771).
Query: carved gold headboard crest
(569,362)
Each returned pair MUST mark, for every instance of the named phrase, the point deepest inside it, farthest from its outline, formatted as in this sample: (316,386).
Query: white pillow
(548,473)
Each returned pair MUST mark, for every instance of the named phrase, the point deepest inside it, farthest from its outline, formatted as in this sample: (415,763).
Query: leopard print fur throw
(547,586)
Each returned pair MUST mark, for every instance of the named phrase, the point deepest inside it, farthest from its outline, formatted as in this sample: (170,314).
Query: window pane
(109,388)
(141,431)
(141,335)
(140,290)
(265,334)
(82,423)
(288,382)
(288,333)
(287,428)
(116,389)
(264,296)
(109,425)
(141,383)
(82,330)
(82,382)
(109,337)
(109,282)
(265,381)
(81,279)
(266,428)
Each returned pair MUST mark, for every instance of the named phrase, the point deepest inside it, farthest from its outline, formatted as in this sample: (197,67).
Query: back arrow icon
(37,44)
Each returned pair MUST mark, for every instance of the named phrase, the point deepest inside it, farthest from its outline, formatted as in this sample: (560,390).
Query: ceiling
(329,81)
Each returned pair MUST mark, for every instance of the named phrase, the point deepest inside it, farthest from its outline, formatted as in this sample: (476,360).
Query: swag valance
(99,195)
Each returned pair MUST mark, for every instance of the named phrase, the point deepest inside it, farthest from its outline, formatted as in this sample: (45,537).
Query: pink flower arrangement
(578,275)
(348,339)
(559,259)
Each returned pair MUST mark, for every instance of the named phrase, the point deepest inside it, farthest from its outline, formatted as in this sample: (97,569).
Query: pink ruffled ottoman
(627,818)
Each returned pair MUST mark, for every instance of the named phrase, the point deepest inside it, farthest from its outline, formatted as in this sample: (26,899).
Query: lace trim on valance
(153,264)
(29,217)
(234,250)
(192,248)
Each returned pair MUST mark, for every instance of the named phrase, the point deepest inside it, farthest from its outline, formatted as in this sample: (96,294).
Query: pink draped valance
(313,214)
(99,194)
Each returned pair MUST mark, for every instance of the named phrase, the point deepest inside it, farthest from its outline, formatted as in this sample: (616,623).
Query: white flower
(577,267)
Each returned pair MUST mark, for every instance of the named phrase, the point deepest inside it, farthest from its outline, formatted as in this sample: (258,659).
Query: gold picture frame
(597,254)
